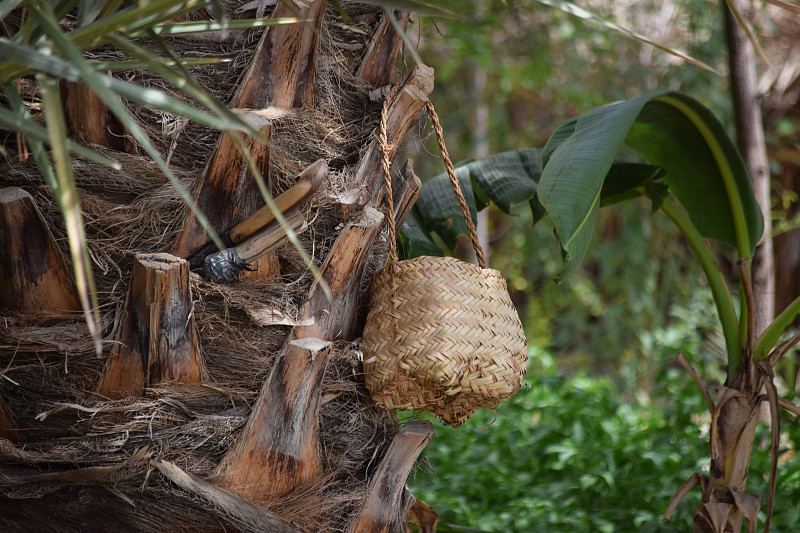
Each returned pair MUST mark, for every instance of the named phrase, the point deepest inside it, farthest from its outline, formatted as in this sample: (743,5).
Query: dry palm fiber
(49,369)
(442,335)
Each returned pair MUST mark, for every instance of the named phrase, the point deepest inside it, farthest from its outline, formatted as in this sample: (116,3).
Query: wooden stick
(157,341)
(307,183)
(280,74)
(226,265)
(382,52)
(33,275)
(384,511)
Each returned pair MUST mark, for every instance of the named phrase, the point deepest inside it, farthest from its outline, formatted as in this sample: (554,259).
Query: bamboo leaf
(69,70)
(573,9)
(737,16)
(200,26)
(140,16)
(35,132)
(119,66)
(98,83)
(89,10)
(225,118)
(66,194)
(410,47)
(7,6)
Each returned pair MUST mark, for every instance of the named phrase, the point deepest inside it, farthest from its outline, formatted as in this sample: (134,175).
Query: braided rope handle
(451,173)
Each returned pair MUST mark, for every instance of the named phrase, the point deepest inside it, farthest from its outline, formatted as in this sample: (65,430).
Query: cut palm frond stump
(215,407)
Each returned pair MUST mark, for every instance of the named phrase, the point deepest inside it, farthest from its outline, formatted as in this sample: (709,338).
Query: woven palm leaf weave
(441,335)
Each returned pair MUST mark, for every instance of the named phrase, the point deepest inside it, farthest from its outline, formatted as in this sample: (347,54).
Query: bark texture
(750,140)
(32,271)
(157,342)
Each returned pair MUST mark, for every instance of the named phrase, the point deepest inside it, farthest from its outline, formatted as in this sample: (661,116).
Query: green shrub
(570,454)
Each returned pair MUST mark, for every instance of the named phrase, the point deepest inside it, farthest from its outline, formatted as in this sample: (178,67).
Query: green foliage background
(611,425)
(577,454)
(542,67)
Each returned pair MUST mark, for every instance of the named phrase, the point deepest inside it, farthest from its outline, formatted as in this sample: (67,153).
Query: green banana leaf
(506,180)
(703,169)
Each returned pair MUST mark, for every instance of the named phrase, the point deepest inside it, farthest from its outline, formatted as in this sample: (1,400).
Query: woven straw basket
(442,335)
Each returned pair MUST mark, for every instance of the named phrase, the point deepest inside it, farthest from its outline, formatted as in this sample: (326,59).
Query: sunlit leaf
(122,65)
(200,26)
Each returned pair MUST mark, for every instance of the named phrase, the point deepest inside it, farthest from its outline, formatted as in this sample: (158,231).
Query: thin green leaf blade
(131,64)
(201,26)
(67,198)
(7,6)
(100,85)
(573,9)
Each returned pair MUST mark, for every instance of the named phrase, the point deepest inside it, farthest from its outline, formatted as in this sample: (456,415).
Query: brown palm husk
(80,457)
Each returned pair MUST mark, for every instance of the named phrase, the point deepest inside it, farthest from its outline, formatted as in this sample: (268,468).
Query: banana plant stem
(719,289)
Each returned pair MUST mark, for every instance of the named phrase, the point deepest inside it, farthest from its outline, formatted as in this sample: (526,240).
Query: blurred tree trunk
(750,140)
(479,140)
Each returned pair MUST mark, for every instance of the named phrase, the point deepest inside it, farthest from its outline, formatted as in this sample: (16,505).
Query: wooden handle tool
(307,183)
(225,266)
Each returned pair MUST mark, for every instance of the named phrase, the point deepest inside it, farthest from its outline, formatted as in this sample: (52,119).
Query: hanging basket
(442,335)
